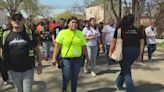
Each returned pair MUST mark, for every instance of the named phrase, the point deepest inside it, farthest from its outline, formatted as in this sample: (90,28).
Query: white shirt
(109,30)
(150,32)
(89,32)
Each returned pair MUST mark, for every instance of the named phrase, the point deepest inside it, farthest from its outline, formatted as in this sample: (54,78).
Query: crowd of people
(76,42)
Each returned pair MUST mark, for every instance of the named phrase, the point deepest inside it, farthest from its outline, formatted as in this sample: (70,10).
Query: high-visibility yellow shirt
(65,37)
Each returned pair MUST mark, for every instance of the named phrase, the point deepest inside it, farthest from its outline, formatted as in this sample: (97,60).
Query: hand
(88,61)
(139,58)
(54,62)
(39,69)
(110,54)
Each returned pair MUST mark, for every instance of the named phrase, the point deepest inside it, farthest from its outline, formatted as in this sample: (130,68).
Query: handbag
(60,59)
(117,53)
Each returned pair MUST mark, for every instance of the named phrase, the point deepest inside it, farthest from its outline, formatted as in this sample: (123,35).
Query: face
(17,23)
(111,22)
(93,22)
(72,24)
(62,23)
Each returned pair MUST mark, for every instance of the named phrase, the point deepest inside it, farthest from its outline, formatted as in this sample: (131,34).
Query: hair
(89,24)
(126,22)
(70,19)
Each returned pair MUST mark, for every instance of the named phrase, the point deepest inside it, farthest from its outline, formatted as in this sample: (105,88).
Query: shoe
(85,70)
(93,74)
(120,88)
(5,83)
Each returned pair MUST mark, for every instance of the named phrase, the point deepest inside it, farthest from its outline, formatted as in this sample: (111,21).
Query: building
(95,12)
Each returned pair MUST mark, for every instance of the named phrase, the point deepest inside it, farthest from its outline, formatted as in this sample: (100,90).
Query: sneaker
(5,83)
(85,70)
(93,74)
(120,88)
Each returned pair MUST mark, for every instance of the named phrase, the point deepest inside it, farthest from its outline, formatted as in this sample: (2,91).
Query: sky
(60,5)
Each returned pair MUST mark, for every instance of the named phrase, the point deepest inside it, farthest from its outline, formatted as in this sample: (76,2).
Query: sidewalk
(148,77)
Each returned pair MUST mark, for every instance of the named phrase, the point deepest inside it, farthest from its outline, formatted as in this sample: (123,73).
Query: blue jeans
(70,70)
(46,45)
(92,53)
(23,80)
(130,54)
(151,49)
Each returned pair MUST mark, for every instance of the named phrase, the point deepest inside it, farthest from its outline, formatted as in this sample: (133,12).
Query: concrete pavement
(148,77)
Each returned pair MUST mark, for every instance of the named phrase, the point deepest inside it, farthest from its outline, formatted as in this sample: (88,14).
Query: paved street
(148,77)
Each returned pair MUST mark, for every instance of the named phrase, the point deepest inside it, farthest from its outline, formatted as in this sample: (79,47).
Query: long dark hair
(72,18)
(126,22)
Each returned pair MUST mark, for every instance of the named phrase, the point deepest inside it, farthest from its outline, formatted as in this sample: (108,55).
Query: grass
(160,45)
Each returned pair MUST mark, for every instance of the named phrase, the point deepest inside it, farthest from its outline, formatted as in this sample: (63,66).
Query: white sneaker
(5,83)
(93,74)
(85,70)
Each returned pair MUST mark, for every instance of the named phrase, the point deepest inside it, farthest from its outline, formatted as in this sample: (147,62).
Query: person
(56,30)
(46,38)
(142,29)
(151,33)
(19,49)
(107,34)
(3,72)
(92,36)
(100,27)
(132,48)
(72,47)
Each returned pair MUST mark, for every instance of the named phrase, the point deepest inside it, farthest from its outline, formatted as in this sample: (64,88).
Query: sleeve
(83,40)
(104,29)
(98,32)
(146,31)
(59,38)
(84,31)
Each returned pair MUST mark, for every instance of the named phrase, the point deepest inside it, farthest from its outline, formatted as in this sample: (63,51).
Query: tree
(44,10)
(117,14)
(159,20)
(31,7)
(137,8)
(68,13)
(11,5)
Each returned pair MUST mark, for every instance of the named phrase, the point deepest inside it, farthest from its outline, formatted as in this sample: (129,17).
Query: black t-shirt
(16,51)
(130,37)
(46,35)
(57,30)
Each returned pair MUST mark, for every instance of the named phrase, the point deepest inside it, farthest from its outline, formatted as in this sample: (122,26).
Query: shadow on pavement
(148,68)
(6,88)
(107,71)
(41,86)
(102,90)
(149,87)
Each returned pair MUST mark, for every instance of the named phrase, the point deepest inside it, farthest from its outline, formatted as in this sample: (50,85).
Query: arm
(53,38)
(38,57)
(141,49)
(86,53)
(112,46)
(55,53)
